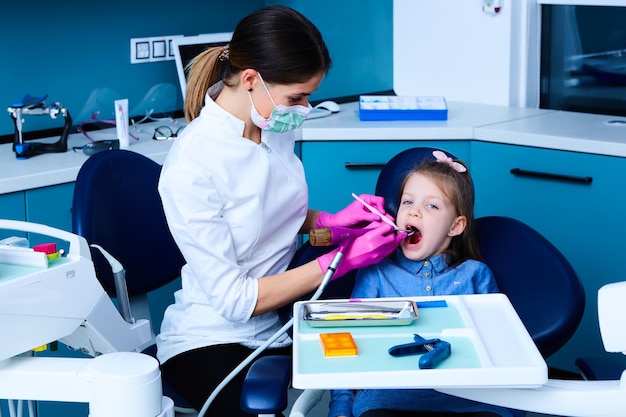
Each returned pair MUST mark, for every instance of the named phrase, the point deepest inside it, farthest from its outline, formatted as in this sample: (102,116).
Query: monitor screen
(188,47)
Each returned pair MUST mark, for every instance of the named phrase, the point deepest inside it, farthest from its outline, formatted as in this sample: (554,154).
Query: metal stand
(35,106)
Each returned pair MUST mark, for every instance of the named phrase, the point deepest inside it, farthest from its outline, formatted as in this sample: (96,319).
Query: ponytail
(204,71)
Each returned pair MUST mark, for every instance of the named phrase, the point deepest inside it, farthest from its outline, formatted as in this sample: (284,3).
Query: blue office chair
(116,205)
(521,259)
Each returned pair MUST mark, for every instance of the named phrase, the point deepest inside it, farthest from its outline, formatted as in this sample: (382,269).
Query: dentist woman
(235,198)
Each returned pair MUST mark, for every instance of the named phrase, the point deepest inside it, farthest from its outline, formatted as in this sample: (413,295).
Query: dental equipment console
(36,106)
(63,300)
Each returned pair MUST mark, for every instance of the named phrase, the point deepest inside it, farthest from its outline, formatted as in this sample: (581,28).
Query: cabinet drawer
(335,169)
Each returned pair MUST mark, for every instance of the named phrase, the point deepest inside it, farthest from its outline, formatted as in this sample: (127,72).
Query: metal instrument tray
(360,313)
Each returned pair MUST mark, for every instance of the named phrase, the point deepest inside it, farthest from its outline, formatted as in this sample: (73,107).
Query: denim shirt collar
(436,263)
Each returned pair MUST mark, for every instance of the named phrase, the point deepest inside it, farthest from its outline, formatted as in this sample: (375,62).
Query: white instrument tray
(490,348)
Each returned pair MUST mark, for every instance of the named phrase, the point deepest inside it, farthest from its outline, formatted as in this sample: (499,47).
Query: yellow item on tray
(356,316)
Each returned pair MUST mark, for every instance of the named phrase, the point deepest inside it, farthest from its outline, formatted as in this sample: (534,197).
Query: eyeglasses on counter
(166,133)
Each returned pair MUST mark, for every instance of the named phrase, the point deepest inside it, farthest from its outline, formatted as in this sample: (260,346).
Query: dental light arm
(573,398)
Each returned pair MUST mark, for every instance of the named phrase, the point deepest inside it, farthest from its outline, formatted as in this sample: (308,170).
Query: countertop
(462,119)
(577,132)
(59,168)
(566,131)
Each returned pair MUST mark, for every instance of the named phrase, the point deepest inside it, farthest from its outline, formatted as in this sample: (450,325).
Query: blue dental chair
(116,205)
(506,245)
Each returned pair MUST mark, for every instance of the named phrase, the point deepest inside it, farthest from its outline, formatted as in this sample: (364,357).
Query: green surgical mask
(282,119)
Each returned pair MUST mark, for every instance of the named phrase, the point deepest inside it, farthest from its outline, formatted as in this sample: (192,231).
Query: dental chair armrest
(266,385)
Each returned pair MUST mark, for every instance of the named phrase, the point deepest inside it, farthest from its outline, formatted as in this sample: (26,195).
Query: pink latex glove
(354,214)
(367,249)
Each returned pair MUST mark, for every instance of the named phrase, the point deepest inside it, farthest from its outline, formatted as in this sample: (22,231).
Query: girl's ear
(458,226)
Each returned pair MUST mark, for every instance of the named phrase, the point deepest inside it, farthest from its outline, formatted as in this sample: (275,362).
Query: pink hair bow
(444,159)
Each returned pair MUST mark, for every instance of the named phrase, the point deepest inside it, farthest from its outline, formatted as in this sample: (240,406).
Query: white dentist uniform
(234,208)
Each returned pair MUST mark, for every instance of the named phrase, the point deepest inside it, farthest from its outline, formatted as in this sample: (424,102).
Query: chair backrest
(540,282)
(117,206)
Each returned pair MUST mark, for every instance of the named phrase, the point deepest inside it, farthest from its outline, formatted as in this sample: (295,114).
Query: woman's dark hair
(277,41)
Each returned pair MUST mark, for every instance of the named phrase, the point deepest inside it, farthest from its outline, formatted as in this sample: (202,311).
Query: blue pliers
(433,351)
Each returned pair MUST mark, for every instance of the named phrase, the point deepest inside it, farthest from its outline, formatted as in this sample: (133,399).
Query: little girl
(440,257)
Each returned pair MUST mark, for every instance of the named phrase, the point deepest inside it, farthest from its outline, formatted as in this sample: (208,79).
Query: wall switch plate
(152,49)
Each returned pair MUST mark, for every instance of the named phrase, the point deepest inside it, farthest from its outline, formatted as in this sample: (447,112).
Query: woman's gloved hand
(354,214)
(367,249)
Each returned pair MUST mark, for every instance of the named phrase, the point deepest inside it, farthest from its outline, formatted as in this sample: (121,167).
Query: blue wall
(73,49)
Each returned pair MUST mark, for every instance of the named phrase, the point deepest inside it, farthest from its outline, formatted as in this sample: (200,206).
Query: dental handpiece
(327,236)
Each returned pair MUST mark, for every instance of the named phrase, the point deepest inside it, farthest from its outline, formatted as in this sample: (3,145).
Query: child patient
(440,257)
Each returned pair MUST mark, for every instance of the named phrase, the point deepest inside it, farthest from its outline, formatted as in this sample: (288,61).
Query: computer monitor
(188,47)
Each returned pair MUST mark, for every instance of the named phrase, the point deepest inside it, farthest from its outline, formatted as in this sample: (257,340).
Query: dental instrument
(432,351)
(382,216)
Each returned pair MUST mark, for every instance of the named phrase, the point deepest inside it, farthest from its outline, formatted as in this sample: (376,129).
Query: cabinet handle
(549,176)
(364,165)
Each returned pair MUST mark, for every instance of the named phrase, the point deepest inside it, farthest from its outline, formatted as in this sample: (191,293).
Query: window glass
(583,59)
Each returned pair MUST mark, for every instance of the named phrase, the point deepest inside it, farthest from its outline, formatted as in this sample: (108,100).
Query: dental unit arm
(573,398)
(66,302)
(36,106)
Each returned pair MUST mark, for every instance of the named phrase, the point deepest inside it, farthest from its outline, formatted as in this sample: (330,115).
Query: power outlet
(152,49)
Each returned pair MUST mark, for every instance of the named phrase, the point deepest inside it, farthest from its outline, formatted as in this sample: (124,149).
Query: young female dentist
(235,198)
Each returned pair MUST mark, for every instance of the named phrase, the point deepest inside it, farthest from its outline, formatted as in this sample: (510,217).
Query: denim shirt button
(428,288)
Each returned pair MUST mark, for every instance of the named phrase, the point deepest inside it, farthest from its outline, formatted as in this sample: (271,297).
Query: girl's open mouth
(415,236)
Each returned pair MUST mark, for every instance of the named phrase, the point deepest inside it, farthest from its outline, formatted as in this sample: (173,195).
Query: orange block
(338,344)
